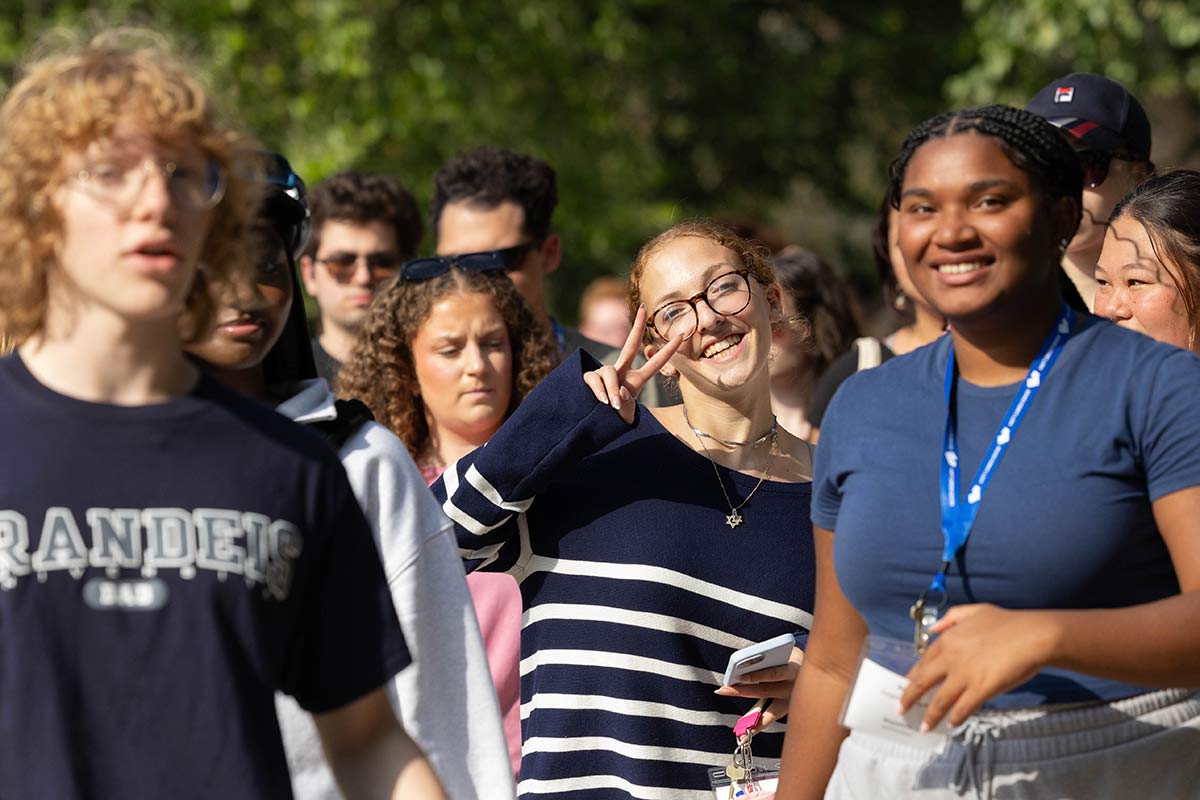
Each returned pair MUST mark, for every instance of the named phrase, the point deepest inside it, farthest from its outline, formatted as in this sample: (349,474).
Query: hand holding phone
(771,653)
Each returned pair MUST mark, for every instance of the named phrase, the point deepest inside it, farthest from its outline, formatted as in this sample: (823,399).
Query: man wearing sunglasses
(364,227)
(1109,129)
(492,205)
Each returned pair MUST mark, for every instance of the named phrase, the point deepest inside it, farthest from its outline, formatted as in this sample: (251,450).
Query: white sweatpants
(1140,748)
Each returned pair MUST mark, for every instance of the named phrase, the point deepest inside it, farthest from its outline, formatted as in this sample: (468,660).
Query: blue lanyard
(958,518)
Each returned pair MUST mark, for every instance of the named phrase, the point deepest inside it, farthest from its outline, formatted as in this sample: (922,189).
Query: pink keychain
(748,720)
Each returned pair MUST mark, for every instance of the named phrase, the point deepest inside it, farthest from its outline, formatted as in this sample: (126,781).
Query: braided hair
(1029,141)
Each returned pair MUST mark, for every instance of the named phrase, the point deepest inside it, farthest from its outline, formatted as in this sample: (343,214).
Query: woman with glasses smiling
(170,553)
(647,542)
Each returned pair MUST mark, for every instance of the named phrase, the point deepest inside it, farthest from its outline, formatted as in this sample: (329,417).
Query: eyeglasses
(725,294)
(1095,164)
(422,269)
(194,186)
(342,266)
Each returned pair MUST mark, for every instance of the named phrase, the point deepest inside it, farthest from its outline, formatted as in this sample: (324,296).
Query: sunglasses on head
(422,269)
(286,203)
(1095,164)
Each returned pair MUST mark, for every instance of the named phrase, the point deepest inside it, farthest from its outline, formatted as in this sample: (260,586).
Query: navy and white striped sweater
(635,591)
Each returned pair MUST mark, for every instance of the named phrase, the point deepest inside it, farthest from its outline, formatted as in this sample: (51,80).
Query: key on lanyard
(741,771)
(924,617)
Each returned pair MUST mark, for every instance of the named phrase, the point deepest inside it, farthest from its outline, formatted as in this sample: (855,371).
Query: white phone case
(771,653)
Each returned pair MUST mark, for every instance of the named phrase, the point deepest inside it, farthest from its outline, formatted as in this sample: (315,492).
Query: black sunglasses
(422,269)
(1095,164)
(286,203)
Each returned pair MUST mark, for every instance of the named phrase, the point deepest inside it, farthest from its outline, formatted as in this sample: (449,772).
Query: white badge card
(762,787)
(874,697)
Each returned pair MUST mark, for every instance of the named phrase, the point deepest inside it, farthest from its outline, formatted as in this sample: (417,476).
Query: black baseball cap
(1098,111)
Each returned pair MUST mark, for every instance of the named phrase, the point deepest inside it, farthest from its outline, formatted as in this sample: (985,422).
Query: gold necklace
(734,519)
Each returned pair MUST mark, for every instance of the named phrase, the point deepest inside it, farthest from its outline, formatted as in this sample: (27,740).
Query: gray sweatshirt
(445,699)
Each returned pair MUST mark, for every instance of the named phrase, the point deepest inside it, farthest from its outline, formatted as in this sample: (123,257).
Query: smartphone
(771,653)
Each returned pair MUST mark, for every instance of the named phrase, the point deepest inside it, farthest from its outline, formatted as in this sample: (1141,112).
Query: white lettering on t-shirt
(217,534)
(228,542)
(14,548)
(61,545)
(116,537)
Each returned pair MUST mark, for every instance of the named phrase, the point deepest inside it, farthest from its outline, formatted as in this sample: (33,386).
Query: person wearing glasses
(172,553)
(447,352)
(648,542)
(364,227)
(1110,133)
(491,199)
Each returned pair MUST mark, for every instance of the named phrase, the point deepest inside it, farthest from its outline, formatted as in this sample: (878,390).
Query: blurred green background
(785,114)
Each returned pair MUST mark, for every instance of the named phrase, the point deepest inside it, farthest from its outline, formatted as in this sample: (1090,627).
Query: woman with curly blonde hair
(443,362)
(168,556)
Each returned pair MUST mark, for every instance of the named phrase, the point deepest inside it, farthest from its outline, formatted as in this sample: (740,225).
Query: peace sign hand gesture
(618,385)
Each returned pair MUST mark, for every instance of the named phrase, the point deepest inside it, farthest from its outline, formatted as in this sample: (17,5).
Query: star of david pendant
(733,520)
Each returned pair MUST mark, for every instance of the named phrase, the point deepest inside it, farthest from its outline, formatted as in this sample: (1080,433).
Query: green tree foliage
(651,110)
(1149,45)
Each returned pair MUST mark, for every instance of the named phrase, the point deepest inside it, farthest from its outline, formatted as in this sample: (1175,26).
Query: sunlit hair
(381,373)
(1168,207)
(7,344)
(752,257)
(73,91)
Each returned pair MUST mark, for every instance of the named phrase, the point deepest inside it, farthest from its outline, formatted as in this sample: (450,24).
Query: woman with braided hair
(1013,671)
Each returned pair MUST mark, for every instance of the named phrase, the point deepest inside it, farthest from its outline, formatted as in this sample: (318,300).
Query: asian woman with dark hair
(1149,271)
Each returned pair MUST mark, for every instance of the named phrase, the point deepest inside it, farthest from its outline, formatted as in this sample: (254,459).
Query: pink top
(497,601)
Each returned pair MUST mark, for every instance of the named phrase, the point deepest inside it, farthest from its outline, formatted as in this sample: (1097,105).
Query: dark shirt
(327,366)
(163,570)
(842,367)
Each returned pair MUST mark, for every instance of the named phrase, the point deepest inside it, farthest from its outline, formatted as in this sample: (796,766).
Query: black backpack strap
(351,415)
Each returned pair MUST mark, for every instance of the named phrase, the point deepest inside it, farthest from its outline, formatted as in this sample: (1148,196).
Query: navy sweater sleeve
(486,492)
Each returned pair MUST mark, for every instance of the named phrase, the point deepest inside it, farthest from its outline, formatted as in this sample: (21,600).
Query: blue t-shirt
(1066,521)
(163,570)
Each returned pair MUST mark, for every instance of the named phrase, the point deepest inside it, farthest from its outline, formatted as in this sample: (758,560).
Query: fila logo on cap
(1064,94)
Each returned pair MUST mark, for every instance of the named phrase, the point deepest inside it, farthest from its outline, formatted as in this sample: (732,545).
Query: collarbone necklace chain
(734,519)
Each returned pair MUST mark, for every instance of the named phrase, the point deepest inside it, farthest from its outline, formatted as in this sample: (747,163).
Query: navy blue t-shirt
(1066,521)
(163,570)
